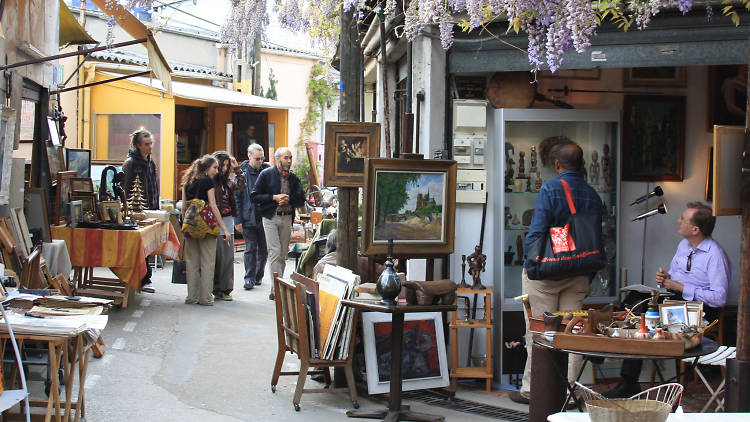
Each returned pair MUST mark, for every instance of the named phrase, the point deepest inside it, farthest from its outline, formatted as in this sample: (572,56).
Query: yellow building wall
(129,97)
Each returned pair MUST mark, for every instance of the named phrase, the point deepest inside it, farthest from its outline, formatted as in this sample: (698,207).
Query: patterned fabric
(561,239)
(123,251)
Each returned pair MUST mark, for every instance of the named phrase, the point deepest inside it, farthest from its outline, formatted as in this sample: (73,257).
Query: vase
(389,285)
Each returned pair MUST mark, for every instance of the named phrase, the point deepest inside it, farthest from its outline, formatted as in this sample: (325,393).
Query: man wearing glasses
(700,271)
(249,219)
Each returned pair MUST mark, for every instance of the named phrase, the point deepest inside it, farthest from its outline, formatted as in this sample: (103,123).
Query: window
(112,135)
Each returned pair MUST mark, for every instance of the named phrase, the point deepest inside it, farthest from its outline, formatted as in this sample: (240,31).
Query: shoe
(206,303)
(518,398)
(249,285)
(190,301)
(625,389)
(226,297)
(270,296)
(258,282)
(147,287)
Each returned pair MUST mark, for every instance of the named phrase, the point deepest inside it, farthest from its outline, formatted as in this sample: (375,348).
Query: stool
(717,358)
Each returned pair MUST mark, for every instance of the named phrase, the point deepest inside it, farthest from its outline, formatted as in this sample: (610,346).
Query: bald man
(277,193)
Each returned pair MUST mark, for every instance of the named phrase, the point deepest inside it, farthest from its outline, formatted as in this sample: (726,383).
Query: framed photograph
(62,197)
(695,313)
(666,76)
(54,136)
(425,360)
(7,134)
(653,140)
(82,184)
(110,211)
(709,194)
(35,207)
(412,202)
(250,128)
(55,162)
(76,212)
(79,160)
(727,92)
(673,314)
(23,228)
(347,146)
(88,199)
(729,144)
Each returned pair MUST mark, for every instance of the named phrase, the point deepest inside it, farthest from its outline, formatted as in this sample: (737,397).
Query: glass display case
(522,137)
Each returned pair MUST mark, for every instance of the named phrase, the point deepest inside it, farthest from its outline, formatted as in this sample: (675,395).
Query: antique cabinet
(512,132)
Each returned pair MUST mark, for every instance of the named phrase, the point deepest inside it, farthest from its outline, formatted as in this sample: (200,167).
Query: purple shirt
(709,275)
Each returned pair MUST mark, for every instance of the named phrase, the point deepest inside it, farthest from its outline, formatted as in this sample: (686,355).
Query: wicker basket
(625,410)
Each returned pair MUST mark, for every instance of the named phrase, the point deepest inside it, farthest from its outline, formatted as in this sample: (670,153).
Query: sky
(431,183)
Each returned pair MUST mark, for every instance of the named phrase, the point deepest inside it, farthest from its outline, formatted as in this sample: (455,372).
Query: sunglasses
(690,260)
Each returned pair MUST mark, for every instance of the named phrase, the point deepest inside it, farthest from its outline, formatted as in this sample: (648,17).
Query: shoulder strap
(568,196)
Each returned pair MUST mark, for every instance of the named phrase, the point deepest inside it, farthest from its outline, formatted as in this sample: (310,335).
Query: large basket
(626,410)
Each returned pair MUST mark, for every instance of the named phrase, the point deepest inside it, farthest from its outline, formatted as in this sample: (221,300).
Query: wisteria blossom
(553,27)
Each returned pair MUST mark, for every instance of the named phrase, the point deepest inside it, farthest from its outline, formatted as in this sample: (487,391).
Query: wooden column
(348,112)
(738,370)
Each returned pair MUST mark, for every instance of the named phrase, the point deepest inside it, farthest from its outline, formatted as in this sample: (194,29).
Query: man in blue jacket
(552,210)
(249,220)
(276,194)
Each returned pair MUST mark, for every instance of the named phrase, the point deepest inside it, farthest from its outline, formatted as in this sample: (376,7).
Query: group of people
(252,198)
(699,271)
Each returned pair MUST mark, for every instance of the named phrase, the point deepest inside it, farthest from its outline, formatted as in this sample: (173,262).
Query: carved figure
(521,165)
(519,248)
(594,168)
(605,167)
(516,221)
(538,182)
(533,168)
(508,217)
(476,265)
(509,175)
(528,185)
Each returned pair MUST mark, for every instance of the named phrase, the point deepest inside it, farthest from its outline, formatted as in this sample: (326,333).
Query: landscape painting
(411,202)
(409,206)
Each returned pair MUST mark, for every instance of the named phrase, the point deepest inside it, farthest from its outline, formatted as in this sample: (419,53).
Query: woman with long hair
(225,186)
(200,254)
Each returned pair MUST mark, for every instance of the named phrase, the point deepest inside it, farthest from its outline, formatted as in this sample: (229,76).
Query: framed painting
(666,76)
(55,162)
(62,198)
(653,146)
(249,128)
(28,121)
(7,133)
(54,135)
(79,160)
(425,363)
(729,144)
(583,74)
(727,95)
(673,314)
(88,200)
(76,212)
(82,184)
(35,207)
(110,211)
(412,202)
(347,146)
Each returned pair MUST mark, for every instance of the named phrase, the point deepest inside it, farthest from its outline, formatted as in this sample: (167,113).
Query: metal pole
(72,53)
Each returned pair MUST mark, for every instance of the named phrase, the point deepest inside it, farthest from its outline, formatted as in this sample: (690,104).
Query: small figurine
(519,248)
(508,217)
(521,165)
(605,167)
(528,185)
(594,168)
(533,168)
(516,221)
(584,171)
(538,182)
(509,255)
(509,175)
(476,265)
(463,284)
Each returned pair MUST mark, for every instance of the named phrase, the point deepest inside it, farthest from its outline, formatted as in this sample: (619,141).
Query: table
(673,417)
(122,251)
(395,410)
(552,401)
(60,355)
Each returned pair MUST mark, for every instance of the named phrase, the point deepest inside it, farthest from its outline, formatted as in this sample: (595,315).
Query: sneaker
(517,397)
(190,301)
(258,282)
(249,286)
(148,287)
(206,303)
(226,297)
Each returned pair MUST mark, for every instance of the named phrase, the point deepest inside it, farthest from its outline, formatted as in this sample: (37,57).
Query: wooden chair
(292,327)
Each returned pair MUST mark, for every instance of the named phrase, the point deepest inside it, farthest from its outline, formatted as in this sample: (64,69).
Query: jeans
(256,253)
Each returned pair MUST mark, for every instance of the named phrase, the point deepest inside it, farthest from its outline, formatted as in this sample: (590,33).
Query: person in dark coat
(139,164)
(248,221)
(277,193)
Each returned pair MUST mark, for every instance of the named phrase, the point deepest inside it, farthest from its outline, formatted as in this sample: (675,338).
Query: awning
(70,30)
(208,93)
(138,30)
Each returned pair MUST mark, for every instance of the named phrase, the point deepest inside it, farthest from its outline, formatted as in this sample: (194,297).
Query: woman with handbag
(225,201)
(201,226)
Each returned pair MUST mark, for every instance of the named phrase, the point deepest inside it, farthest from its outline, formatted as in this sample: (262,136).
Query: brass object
(476,266)
(466,320)
(463,284)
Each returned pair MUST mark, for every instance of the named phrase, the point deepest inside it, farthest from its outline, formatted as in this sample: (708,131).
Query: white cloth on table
(58,260)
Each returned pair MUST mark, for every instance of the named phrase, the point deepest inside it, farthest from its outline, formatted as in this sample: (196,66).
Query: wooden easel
(291,324)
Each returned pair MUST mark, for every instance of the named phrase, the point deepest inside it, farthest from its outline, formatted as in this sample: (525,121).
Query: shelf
(10,398)
(472,325)
(464,290)
(472,372)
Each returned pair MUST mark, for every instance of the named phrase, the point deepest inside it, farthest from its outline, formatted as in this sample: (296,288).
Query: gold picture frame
(348,144)
(660,76)
(114,206)
(729,143)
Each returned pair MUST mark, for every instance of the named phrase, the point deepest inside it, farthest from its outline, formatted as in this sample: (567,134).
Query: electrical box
(470,133)
(471,186)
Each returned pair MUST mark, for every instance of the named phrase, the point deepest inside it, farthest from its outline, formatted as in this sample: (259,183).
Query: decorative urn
(389,285)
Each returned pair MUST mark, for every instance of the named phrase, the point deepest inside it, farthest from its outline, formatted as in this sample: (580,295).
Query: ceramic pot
(389,284)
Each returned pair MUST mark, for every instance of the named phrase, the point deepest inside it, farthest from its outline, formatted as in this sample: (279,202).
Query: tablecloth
(57,257)
(123,251)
